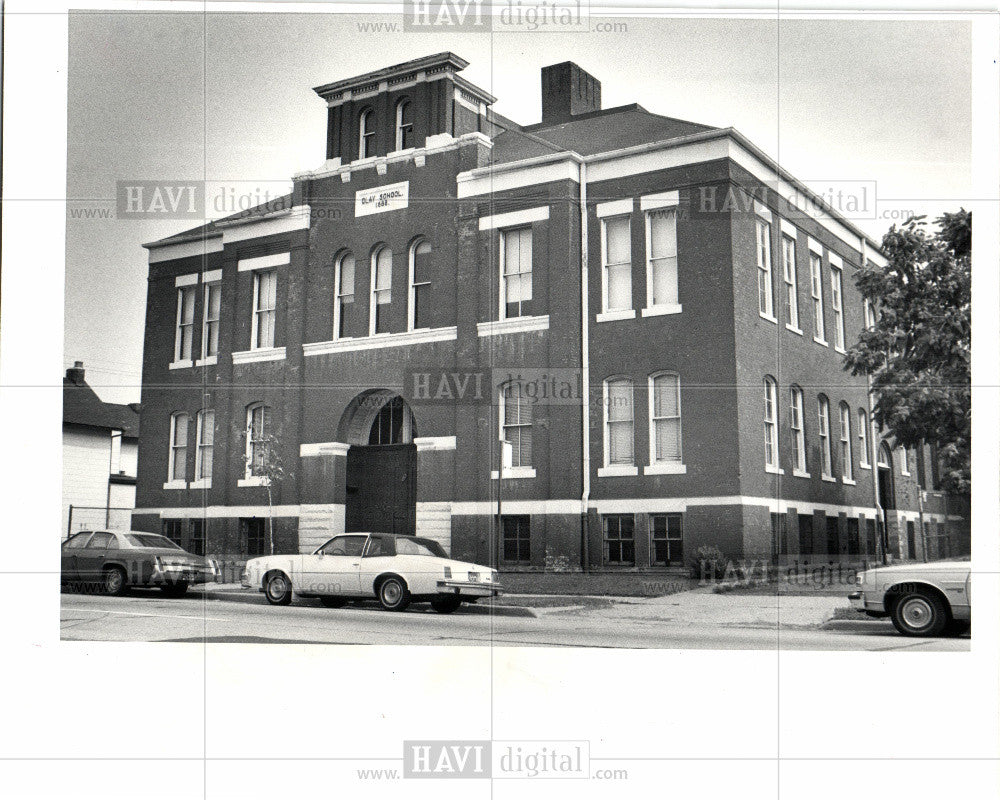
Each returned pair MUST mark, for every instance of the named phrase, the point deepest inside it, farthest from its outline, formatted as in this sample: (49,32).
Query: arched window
(846,455)
(259,439)
(393,424)
(826,455)
(619,423)
(419,305)
(797,424)
(177,466)
(770,424)
(366,134)
(664,418)
(381,295)
(404,124)
(863,437)
(344,281)
(205,444)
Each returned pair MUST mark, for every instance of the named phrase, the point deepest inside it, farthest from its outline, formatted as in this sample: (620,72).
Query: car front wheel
(115,581)
(278,589)
(919,614)
(393,594)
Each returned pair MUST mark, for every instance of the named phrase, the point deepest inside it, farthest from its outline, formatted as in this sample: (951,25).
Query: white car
(396,570)
(922,599)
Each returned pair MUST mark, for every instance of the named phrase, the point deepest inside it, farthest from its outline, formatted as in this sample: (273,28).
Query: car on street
(921,599)
(115,560)
(394,569)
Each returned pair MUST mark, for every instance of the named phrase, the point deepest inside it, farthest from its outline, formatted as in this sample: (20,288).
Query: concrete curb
(256,598)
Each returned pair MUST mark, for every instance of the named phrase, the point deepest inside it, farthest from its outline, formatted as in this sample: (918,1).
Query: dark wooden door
(382,489)
(911,539)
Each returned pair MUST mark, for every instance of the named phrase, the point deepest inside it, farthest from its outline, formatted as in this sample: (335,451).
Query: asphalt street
(146,616)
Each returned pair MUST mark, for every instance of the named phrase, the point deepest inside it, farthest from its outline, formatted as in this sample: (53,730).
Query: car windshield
(419,547)
(150,540)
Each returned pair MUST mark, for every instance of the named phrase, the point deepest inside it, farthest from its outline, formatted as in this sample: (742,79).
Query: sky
(228,98)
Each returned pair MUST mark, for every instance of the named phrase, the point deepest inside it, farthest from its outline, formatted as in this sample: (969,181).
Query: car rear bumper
(170,574)
(468,589)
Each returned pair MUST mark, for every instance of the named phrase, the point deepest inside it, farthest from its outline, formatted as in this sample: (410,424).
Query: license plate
(473,577)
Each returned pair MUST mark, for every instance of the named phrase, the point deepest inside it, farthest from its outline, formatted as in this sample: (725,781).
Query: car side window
(377,546)
(79,540)
(354,545)
(113,542)
(99,541)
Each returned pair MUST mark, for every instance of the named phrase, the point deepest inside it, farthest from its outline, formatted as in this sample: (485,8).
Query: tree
(918,353)
(263,460)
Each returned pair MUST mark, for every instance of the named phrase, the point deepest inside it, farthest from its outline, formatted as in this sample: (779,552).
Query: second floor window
(344,280)
(826,455)
(661,268)
(863,436)
(816,285)
(205,444)
(846,456)
(381,282)
(366,134)
(404,125)
(419,307)
(184,341)
(837,302)
(765,289)
(791,282)
(265,291)
(515,263)
(210,329)
(177,468)
(770,423)
(258,431)
(617,264)
(798,428)
(516,421)
(619,421)
(665,418)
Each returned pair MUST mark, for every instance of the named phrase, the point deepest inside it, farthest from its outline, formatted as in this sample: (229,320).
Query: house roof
(214,228)
(82,406)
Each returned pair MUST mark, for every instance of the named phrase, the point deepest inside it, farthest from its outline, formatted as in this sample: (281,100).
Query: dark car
(116,560)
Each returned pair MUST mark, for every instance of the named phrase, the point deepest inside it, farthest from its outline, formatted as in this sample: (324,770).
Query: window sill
(865,466)
(187,363)
(203,483)
(773,470)
(823,342)
(904,474)
(381,340)
(175,485)
(768,317)
(840,350)
(616,314)
(207,361)
(793,329)
(800,473)
(829,479)
(665,469)
(849,481)
(253,480)
(617,471)
(662,311)
(515,472)
(259,354)
(513,325)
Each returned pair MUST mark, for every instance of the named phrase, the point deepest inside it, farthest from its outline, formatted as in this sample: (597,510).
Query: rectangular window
(853,536)
(863,437)
(253,535)
(846,456)
(265,285)
(205,444)
(665,418)
(806,535)
(798,429)
(779,535)
(619,540)
(620,422)
(666,540)
(816,282)
(172,530)
(345,296)
(837,302)
(832,537)
(517,539)
(770,424)
(515,258)
(381,282)
(420,285)
(178,447)
(661,267)
(826,456)
(765,289)
(258,430)
(617,264)
(210,325)
(517,424)
(869,314)
(197,543)
(904,462)
(791,281)
(184,340)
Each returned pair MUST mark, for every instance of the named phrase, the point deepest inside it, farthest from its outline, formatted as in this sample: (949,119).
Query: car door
(90,559)
(378,558)
(70,549)
(334,569)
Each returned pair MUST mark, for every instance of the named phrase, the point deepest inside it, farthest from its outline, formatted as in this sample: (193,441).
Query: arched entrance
(381,480)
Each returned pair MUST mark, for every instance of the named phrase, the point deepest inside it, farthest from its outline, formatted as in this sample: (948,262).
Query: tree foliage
(918,353)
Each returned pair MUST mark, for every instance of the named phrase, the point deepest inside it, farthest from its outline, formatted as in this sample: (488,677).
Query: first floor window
(265,289)
(619,422)
(420,285)
(258,431)
(863,436)
(516,418)
(826,456)
(344,279)
(619,540)
(205,444)
(197,543)
(770,422)
(517,539)
(846,456)
(515,268)
(253,536)
(617,264)
(381,282)
(184,342)
(765,289)
(172,530)
(666,540)
(662,261)
(665,417)
(210,332)
(779,535)
(798,428)
(177,469)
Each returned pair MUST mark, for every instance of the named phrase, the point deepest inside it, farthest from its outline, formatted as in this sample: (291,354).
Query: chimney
(567,91)
(76,373)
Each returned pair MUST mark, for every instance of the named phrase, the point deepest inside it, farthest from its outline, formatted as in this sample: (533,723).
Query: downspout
(881,521)
(584,370)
